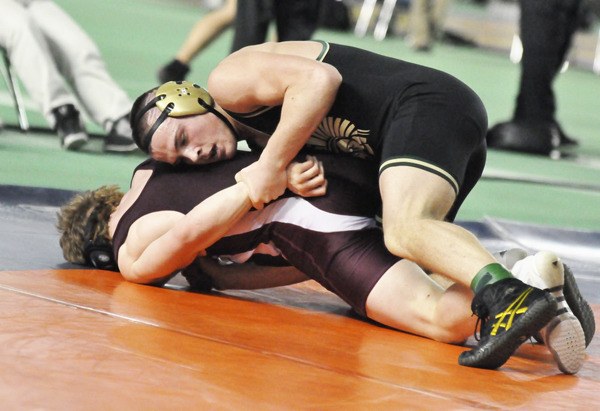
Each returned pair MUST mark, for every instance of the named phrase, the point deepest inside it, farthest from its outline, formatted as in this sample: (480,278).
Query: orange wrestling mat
(83,339)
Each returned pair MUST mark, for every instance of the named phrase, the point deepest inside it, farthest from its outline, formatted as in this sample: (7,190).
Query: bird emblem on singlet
(338,135)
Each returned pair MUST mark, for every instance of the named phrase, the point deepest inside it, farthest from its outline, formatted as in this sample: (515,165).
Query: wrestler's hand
(197,277)
(307,179)
(265,182)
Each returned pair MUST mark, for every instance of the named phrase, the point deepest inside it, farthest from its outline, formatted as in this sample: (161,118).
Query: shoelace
(481,321)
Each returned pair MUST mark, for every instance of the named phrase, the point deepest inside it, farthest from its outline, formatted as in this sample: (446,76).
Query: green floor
(136,36)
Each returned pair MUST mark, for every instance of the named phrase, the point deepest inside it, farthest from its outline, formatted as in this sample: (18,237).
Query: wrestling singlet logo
(341,136)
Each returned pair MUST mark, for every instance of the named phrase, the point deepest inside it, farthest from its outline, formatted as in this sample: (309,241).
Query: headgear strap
(179,99)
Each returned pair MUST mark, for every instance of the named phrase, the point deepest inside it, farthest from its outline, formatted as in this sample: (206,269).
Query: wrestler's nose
(193,154)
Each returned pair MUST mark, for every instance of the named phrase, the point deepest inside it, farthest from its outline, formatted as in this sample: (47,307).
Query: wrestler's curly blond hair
(73,218)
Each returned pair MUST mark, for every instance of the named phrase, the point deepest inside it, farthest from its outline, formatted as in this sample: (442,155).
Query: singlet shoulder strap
(324,50)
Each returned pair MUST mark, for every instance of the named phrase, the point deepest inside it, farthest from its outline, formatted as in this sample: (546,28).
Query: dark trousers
(547,28)
(295,20)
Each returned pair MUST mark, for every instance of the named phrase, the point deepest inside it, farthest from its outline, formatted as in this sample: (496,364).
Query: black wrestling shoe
(119,138)
(579,306)
(510,312)
(69,127)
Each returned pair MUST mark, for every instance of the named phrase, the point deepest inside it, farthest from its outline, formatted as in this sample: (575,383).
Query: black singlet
(394,113)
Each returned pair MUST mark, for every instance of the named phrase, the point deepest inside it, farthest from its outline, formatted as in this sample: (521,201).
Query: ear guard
(99,253)
(178,99)
(100,256)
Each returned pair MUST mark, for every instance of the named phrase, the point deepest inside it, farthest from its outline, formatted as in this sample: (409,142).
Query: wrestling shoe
(69,127)
(509,312)
(508,258)
(577,304)
(564,335)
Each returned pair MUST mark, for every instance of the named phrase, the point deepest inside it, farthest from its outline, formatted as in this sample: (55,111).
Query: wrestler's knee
(448,329)
(450,335)
(442,329)
(401,234)
(393,242)
(453,317)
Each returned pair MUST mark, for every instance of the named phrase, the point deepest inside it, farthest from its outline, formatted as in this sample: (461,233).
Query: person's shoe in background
(119,138)
(69,127)
(175,70)
(525,137)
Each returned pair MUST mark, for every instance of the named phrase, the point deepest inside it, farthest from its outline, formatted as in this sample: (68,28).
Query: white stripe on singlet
(298,212)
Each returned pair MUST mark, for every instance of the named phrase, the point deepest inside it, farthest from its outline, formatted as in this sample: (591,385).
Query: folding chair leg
(13,87)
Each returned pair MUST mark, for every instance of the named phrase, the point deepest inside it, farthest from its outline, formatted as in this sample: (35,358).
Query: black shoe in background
(532,138)
(119,138)
(509,311)
(173,71)
(69,127)
(565,140)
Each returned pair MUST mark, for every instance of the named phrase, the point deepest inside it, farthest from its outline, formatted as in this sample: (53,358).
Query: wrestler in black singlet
(397,113)
(332,238)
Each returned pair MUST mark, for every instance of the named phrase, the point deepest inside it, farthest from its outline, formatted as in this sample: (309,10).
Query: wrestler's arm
(260,76)
(305,178)
(161,243)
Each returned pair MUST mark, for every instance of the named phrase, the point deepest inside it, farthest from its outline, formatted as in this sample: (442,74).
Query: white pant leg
(31,59)
(80,63)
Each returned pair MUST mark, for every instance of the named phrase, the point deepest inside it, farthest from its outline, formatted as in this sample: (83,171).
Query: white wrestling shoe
(508,258)
(578,305)
(564,335)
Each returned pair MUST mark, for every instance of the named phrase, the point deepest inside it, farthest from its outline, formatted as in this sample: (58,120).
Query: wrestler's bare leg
(415,203)
(406,298)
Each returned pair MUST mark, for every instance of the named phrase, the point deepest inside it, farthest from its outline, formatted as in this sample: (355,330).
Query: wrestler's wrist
(273,164)
(243,188)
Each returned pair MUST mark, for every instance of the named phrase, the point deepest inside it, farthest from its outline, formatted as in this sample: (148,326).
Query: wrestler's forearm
(178,243)
(212,218)
(306,102)
(275,74)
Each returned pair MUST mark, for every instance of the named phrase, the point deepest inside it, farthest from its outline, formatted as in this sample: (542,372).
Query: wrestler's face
(199,139)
